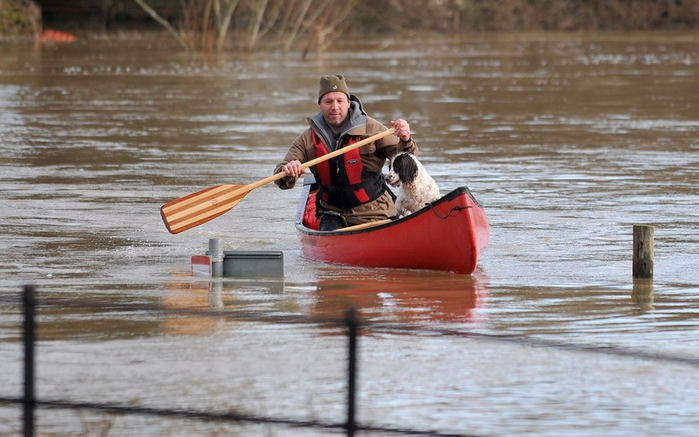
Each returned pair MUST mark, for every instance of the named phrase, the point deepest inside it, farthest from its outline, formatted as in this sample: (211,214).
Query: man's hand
(402,129)
(293,168)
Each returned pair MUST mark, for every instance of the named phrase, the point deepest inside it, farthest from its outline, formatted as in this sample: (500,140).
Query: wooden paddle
(205,205)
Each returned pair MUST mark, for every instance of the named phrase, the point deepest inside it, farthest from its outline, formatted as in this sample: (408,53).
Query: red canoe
(448,234)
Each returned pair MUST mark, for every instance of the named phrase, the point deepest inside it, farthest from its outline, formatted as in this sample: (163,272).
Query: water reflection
(423,299)
(187,306)
(420,298)
(200,306)
(642,294)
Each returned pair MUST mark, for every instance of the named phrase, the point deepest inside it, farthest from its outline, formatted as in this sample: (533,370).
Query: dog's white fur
(417,188)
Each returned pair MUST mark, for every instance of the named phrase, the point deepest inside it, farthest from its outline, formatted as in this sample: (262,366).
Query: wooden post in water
(643,251)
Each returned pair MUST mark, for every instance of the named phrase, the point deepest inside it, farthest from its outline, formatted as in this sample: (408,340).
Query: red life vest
(344,182)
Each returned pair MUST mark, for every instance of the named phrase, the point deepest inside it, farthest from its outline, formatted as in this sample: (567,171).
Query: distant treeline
(315,24)
(560,15)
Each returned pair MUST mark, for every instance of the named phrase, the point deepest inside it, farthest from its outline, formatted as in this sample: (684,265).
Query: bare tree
(321,24)
(264,17)
(206,23)
(328,25)
(198,16)
(164,23)
(222,19)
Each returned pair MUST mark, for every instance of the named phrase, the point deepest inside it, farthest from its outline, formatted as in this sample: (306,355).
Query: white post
(216,254)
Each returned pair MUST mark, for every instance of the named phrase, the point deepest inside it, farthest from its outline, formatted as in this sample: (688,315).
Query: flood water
(567,140)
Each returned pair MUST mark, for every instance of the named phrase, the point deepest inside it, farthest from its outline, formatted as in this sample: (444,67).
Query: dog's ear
(393,158)
(406,168)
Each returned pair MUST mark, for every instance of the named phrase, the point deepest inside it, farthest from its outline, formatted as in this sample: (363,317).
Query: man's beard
(339,124)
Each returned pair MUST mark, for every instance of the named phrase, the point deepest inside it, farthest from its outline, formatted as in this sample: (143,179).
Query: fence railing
(30,402)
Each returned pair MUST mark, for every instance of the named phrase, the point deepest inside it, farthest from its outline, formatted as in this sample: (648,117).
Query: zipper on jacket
(337,147)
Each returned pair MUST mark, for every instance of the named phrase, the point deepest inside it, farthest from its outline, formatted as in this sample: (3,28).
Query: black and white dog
(417,188)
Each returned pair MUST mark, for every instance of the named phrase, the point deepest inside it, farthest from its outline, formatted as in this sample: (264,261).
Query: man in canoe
(352,186)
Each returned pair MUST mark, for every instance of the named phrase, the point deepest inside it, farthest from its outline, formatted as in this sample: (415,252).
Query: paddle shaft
(364,225)
(247,188)
(205,205)
(315,161)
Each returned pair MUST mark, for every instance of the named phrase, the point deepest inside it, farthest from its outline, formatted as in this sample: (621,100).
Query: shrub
(19,17)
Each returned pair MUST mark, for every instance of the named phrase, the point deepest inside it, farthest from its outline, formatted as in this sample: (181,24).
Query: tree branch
(164,22)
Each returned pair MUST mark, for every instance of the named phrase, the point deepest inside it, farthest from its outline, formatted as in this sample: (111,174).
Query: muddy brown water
(568,141)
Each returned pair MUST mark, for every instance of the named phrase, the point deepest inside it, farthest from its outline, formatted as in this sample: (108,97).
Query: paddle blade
(200,207)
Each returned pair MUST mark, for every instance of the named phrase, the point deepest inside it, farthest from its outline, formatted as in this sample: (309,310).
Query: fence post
(29,335)
(216,254)
(642,251)
(352,323)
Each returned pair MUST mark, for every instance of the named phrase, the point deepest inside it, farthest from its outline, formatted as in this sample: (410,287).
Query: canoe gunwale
(309,185)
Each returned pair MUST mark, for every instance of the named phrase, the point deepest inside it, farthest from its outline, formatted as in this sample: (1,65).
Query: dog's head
(402,169)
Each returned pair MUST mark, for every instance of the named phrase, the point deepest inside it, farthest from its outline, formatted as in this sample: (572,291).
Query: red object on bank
(56,36)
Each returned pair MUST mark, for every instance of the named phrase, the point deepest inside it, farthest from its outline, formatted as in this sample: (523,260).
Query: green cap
(330,83)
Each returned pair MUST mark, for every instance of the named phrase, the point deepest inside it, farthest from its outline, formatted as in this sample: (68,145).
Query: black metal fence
(30,402)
